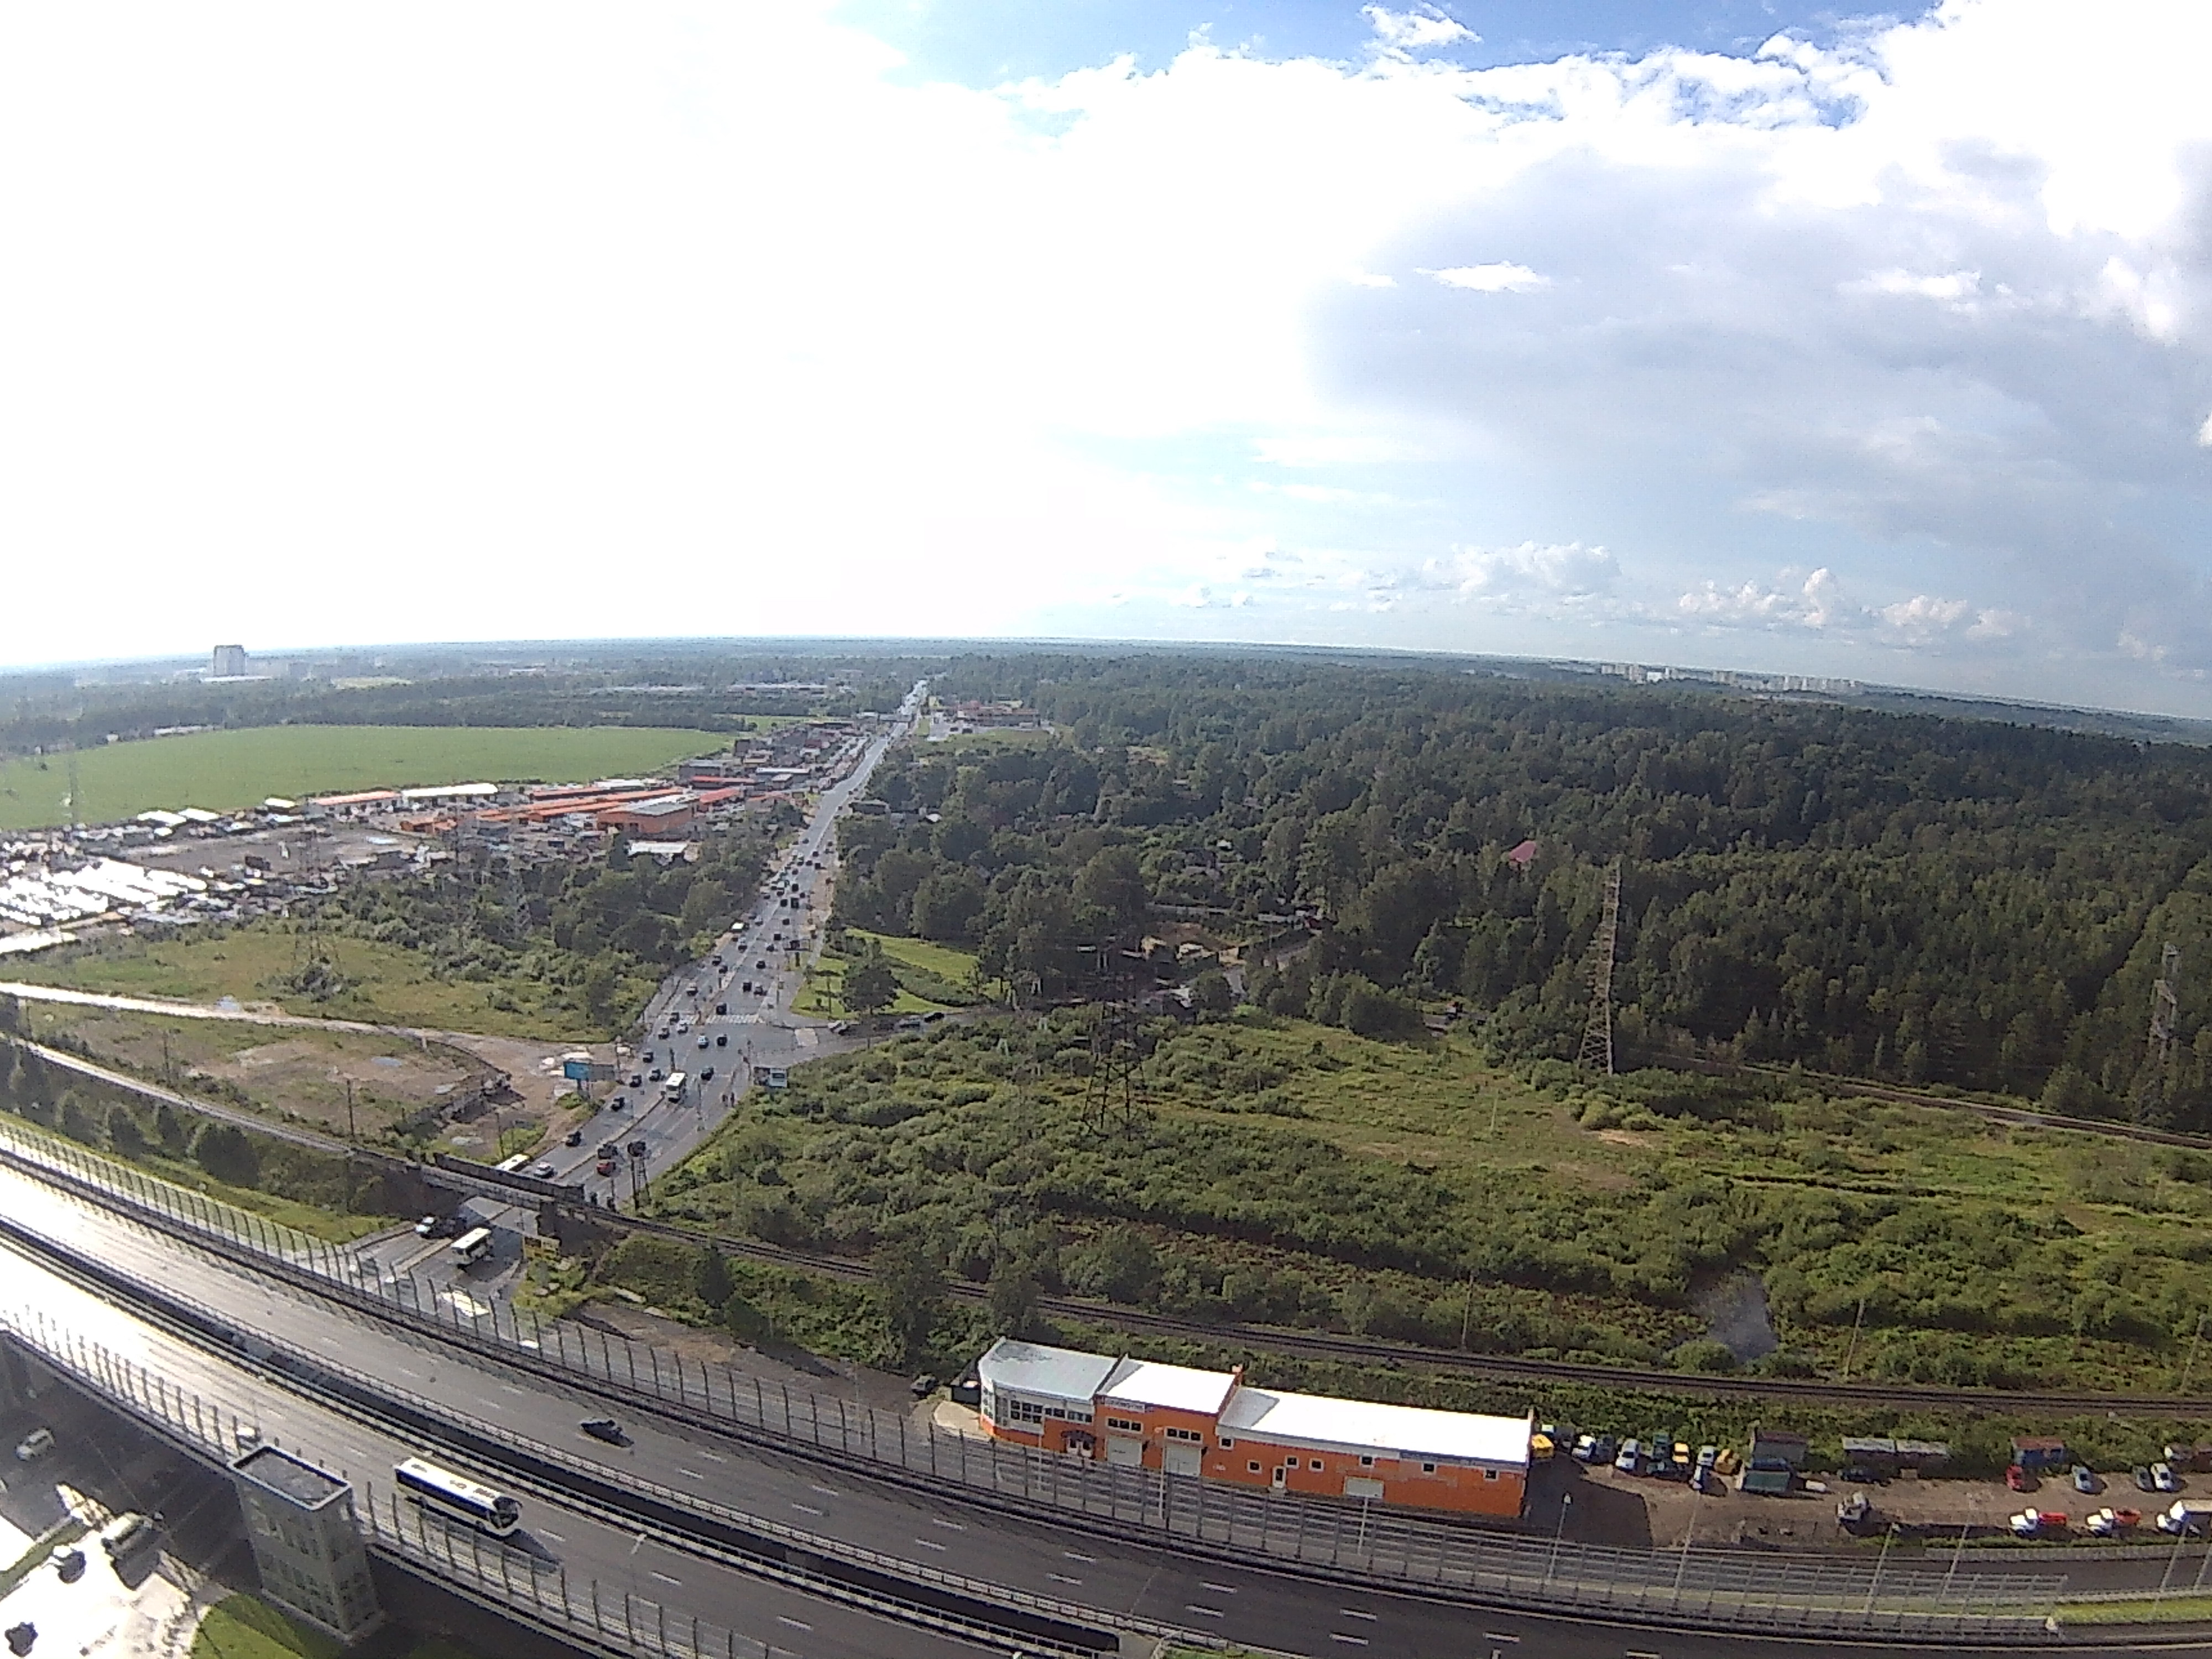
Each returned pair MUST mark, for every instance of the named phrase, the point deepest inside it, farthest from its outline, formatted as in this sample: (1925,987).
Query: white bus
(457,1497)
(471,1247)
(520,1162)
(673,1089)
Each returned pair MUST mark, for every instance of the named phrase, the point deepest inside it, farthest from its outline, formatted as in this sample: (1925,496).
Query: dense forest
(1929,901)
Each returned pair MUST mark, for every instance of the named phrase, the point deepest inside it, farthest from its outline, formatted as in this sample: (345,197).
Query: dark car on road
(604,1428)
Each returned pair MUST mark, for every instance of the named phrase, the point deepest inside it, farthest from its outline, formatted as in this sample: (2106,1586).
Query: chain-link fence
(1705,1587)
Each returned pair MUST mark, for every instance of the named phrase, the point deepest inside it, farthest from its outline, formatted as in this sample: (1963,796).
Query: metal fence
(1705,1587)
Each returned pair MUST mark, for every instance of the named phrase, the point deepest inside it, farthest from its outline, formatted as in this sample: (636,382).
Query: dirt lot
(286,1070)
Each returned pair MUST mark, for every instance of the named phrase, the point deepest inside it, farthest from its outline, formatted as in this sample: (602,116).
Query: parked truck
(2189,1518)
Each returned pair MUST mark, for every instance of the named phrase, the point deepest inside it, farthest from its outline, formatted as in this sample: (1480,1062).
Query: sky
(1712,333)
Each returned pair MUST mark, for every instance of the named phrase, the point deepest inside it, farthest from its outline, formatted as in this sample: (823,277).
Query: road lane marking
(409,1371)
(796,1624)
(932,1544)
(1223,1590)
(827,1491)
(1062,1579)
(805,1509)
(711,1457)
(544,1532)
(1354,1613)
(511,1388)
(692,1474)
(957,1526)
(1499,1636)
(1204,1612)
(1349,1641)
(664,1578)
(1638,1653)
(1073,1555)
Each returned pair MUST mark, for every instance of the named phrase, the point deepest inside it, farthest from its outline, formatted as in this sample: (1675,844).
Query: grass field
(224,771)
(246,1627)
(930,977)
(386,984)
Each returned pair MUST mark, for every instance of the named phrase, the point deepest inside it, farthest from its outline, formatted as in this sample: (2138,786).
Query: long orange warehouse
(1210,1424)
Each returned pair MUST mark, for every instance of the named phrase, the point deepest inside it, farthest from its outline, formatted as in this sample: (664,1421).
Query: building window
(1428,1468)
(1254,1466)
(1315,1461)
(1366,1462)
(1191,1435)
(1489,1475)
(1127,1425)
(1228,1440)
(1022,1411)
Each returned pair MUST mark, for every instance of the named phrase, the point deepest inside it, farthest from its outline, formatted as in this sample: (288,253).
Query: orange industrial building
(1212,1425)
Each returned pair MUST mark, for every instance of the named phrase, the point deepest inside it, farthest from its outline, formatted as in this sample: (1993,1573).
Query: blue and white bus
(457,1497)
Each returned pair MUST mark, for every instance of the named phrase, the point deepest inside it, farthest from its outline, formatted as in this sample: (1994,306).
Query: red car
(2019,1478)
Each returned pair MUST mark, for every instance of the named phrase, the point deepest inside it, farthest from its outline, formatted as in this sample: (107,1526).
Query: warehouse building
(1140,1413)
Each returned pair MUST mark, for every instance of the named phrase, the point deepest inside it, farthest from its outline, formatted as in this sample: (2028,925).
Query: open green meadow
(929,976)
(384,984)
(225,771)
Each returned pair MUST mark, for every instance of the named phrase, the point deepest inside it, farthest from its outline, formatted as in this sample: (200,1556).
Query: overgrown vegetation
(1288,1174)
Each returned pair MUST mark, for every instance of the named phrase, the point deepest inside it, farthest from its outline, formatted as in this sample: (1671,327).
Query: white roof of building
(450,792)
(1176,1387)
(1367,1427)
(1032,1368)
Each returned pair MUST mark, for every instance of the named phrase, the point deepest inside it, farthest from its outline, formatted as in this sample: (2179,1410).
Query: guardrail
(1705,1587)
(911,1590)
(512,1580)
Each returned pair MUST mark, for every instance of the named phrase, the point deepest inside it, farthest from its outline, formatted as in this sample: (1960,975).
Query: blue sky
(1720,334)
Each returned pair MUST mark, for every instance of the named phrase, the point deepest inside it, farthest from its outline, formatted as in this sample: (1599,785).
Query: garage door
(1126,1453)
(1182,1459)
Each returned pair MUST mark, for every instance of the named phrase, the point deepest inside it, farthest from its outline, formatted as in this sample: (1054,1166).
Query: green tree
(869,985)
(1112,884)
(711,1285)
(228,1152)
(601,984)
(744,1322)
(1210,993)
(909,1292)
(123,1134)
(169,1129)
(1012,1300)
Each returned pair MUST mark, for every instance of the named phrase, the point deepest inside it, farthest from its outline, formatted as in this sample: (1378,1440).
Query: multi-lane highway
(756,973)
(1117,1579)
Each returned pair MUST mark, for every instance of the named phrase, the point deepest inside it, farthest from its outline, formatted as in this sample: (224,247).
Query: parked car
(2162,1477)
(34,1445)
(2019,1480)
(2038,1523)
(1854,1511)
(575,1137)
(2143,1482)
(427,1227)
(1629,1460)
(127,1533)
(2085,1479)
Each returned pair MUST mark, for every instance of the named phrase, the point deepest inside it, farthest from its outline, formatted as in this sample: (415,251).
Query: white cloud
(1501,278)
(488,302)
(1418,30)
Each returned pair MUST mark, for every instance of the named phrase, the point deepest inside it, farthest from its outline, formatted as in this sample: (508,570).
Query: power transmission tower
(2158,1054)
(1596,1051)
(75,795)
(1117,1053)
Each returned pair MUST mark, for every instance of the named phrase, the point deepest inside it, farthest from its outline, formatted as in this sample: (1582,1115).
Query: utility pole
(1596,1051)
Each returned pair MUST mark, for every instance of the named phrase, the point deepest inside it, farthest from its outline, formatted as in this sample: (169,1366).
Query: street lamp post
(1888,1537)
(1566,1503)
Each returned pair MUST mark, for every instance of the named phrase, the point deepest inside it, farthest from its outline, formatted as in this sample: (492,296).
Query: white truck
(673,1088)
(2187,1516)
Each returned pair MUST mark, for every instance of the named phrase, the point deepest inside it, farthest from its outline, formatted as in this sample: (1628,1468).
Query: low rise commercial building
(1210,1424)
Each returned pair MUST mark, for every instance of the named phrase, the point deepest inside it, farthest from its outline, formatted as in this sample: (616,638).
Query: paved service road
(1091,1569)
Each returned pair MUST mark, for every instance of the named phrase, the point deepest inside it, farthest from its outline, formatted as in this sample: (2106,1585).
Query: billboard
(586,1071)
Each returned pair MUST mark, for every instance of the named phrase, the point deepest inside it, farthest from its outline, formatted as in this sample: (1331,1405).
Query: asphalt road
(1237,1603)
(687,1584)
(760,1028)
